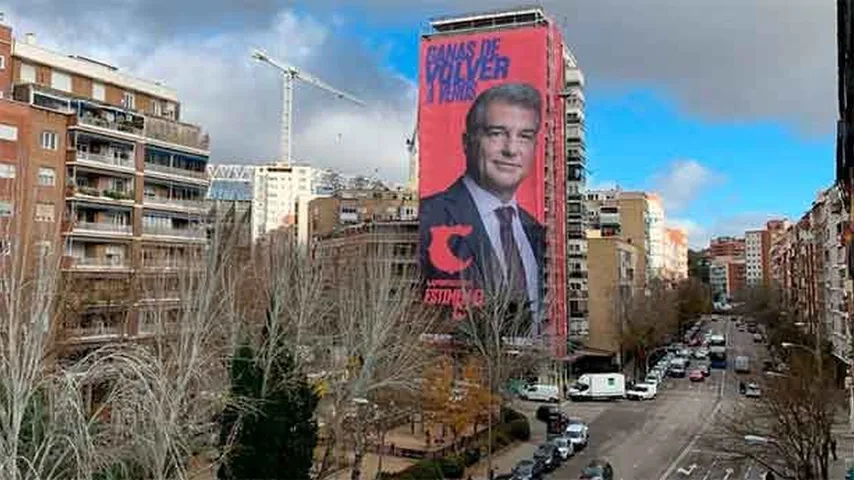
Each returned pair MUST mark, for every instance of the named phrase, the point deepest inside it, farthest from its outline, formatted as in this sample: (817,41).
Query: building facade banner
(482,122)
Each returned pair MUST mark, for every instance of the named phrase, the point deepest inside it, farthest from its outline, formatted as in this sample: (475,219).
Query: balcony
(102,160)
(188,233)
(98,332)
(174,203)
(101,227)
(180,172)
(99,263)
(107,195)
(176,133)
(120,121)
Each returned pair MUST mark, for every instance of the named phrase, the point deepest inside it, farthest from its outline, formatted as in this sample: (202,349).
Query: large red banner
(481,140)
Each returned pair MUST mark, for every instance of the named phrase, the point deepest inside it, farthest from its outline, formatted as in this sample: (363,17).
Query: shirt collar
(485,200)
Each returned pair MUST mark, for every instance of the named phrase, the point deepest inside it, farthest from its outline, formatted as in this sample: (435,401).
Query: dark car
(545,412)
(548,455)
(528,470)
(598,470)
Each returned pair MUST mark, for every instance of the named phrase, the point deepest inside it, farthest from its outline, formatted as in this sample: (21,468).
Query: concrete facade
(612,273)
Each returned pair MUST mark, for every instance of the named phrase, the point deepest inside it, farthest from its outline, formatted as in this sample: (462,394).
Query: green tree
(694,298)
(268,429)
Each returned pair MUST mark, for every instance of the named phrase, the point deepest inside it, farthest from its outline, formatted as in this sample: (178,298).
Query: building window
(50,140)
(28,73)
(6,208)
(2,62)
(8,132)
(47,176)
(128,101)
(60,81)
(7,170)
(99,92)
(44,212)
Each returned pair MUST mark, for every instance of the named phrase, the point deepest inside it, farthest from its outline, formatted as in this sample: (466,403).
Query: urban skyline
(639,130)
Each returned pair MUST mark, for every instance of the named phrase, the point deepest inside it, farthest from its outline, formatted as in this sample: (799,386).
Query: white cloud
(239,101)
(683,182)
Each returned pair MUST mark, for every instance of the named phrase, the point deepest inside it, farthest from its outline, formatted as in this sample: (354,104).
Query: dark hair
(519,94)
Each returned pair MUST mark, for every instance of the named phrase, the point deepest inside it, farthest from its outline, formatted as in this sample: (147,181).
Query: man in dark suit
(475,230)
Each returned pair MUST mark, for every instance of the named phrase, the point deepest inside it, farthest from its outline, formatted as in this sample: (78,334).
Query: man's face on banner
(505,147)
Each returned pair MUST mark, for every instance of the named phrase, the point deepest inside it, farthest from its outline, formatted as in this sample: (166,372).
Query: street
(662,438)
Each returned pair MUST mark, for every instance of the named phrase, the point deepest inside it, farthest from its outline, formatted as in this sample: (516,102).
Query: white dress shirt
(486,204)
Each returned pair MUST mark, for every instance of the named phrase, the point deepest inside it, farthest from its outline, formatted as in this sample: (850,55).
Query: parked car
(701,353)
(564,447)
(578,435)
(641,391)
(652,379)
(545,411)
(528,470)
(705,368)
(541,393)
(753,391)
(548,454)
(696,375)
(757,337)
(598,469)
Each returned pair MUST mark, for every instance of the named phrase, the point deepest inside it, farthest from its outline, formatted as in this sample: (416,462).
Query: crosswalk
(707,465)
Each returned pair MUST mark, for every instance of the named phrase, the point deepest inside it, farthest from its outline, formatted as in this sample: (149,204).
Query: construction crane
(289,76)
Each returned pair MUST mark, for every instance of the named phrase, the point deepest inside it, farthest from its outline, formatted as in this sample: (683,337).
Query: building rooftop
(518,16)
(91,68)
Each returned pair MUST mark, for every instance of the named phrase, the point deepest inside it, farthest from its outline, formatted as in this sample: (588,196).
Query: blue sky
(640,137)
(715,105)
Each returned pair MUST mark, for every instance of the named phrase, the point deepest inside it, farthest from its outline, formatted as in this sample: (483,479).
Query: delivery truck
(598,386)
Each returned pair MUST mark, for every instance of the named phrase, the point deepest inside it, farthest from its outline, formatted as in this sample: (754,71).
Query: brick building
(97,164)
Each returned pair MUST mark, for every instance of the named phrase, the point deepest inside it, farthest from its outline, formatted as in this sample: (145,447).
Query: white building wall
(655,237)
(753,271)
(277,192)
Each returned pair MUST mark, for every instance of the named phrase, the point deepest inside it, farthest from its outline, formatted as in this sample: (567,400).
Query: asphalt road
(699,460)
(653,439)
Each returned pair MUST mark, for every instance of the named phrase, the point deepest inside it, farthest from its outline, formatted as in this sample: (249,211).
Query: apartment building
(757,244)
(676,254)
(576,185)
(277,190)
(385,241)
(810,269)
(103,157)
(727,247)
(349,207)
(636,217)
(612,285)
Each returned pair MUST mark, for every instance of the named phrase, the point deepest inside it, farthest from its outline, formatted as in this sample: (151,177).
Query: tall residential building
(757,244)
(276,191)
(676,254)
(641,223)
(611,282)
(103,160)
(576,160)
(656,236)
(726,247)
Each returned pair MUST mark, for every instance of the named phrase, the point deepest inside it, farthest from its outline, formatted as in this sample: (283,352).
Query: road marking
(694,440)
(715,462)
(689,471)
(728,473)
(747,472)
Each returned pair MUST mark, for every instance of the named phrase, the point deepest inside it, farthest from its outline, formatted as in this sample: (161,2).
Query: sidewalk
(370,465)
(844,451)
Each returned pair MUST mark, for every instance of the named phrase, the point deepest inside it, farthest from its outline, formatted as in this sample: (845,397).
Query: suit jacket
(455,206)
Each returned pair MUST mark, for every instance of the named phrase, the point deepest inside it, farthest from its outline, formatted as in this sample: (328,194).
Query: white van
(598,386)
(541,393)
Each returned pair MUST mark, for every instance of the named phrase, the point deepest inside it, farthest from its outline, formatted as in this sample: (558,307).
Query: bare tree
(504,334)
(650,320)
(168,385)
(375,339)
(788,428)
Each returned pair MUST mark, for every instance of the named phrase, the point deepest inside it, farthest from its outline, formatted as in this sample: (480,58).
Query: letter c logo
(440,252)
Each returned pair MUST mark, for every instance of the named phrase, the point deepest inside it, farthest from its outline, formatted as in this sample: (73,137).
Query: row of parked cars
(550,455)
